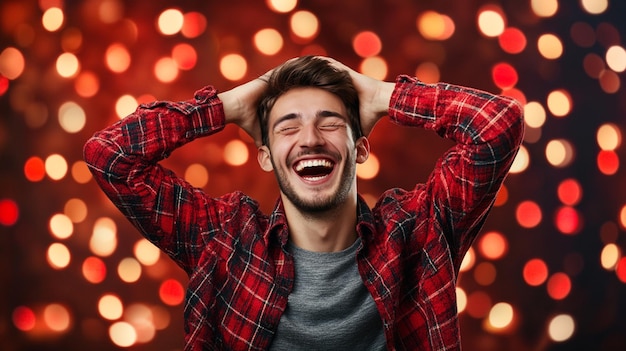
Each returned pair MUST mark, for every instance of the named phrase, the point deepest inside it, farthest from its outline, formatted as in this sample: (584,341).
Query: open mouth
(314,169)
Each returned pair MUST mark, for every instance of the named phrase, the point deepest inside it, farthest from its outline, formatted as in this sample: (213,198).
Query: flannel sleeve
(123,159)
(487,130)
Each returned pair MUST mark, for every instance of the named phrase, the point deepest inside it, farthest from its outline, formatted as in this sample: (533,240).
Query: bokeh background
(547,273)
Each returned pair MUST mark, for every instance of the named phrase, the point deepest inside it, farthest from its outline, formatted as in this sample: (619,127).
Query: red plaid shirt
(240,273)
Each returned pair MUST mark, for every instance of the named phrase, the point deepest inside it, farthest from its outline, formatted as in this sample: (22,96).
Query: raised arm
(487,130)
(124,161)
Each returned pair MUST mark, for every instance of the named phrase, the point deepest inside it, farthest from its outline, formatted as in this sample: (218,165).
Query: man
(323,270)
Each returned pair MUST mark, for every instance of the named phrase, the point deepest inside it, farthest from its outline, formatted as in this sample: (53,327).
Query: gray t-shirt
(329,307)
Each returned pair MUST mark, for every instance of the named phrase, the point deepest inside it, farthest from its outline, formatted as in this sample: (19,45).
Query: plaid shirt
(240,272)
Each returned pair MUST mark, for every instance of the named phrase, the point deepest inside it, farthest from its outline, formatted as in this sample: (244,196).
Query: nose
(311,136)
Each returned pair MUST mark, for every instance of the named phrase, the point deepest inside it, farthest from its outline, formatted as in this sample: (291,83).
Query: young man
(323,270)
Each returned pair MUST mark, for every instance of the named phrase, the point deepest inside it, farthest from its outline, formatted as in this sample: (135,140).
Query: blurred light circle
(52,19)
(122,334)
(534,114)
(594,7)
(544,8)
(117,58)
(366,44)
(236,153)
(67,65)
(561,328)
(521,161)
(268,41)
(72,117)
(501,315)
(58,256)
(491,23)
(170,21)
(535,272)
(166,69)
(56,166)
(57,317)
(528,214)
(375,67)
(616,58)
(61,226)
(512,40)
(609,136)
(9,212)
(282,6)
(369,169)
(12,63)
(559,102)
(233,67)
(550,46)
(304,24)
(559,153)
(110,307)
(194,24)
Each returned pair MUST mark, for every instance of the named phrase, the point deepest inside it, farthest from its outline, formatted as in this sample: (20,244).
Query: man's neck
(329,231)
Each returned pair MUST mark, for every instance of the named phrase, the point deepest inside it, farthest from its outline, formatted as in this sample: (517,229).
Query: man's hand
(374,96)
(240,105)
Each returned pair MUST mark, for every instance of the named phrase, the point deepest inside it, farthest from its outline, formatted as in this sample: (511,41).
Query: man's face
(311,149)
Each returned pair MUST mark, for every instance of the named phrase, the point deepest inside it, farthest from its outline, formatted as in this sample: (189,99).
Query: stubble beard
(318,205)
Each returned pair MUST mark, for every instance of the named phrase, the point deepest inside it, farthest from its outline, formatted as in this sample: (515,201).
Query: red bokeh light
(559,286)
(608,162)
(512,40)
(94,269)
(528,214)
(569,192)
(9,212)
(34,169)
(4,85)
(185,56)
(367,44)
(194,24)
(621,270)
(171,292)
(535,272)
(24,318)
(504,75)
(567,220)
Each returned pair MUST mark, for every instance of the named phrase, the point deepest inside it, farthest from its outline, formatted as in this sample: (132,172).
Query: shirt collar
(278,222)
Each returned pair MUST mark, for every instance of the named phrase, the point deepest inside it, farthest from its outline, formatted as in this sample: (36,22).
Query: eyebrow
(318,114)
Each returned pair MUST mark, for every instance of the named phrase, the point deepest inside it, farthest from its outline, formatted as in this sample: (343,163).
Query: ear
(263,157)
(362,149)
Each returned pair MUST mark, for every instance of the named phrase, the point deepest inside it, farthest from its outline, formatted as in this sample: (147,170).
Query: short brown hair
(309,71)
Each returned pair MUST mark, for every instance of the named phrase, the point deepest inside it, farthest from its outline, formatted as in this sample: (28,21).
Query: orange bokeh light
(493,245)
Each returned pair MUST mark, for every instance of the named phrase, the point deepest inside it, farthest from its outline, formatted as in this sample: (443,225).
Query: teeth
(313,163)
